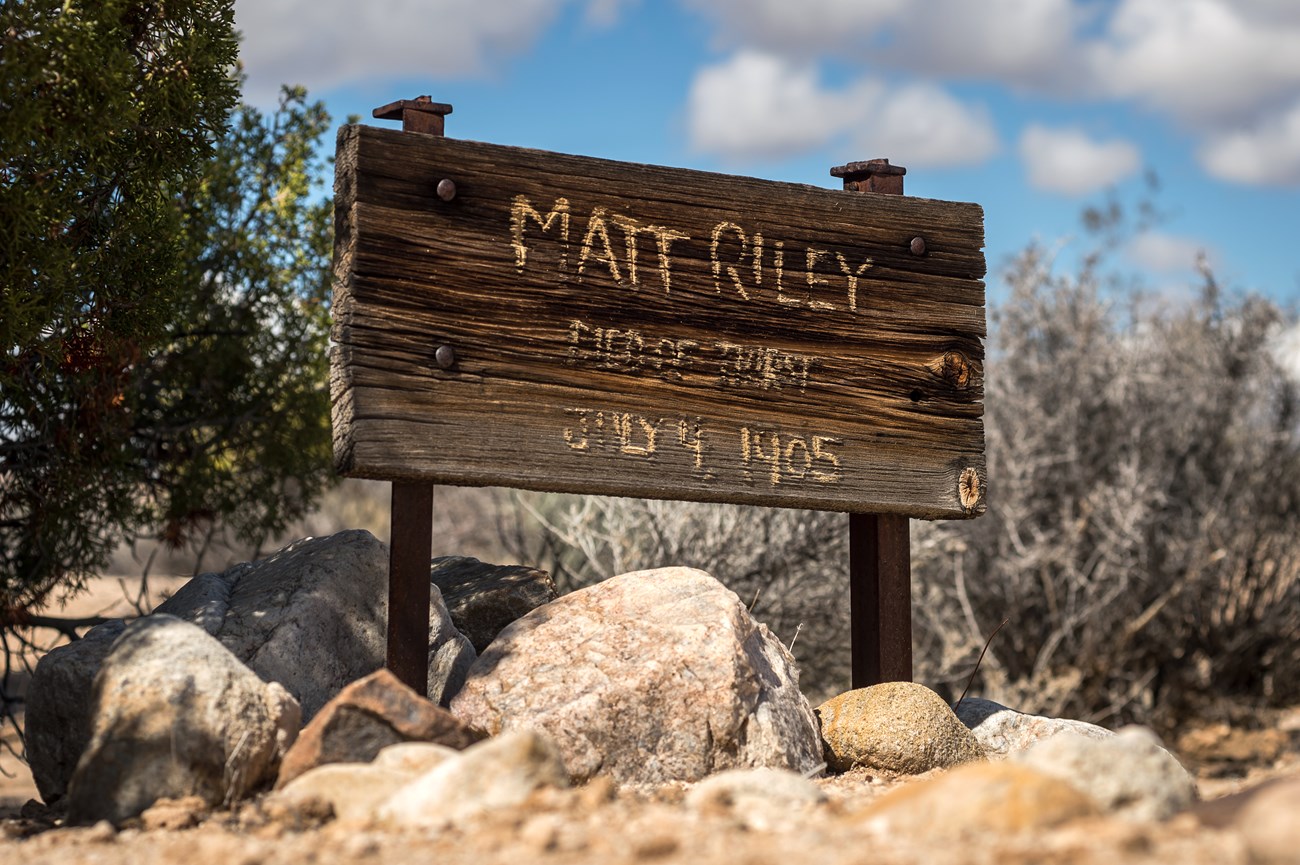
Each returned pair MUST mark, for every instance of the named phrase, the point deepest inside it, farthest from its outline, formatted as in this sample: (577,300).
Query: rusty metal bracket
(410,543)
(880,556)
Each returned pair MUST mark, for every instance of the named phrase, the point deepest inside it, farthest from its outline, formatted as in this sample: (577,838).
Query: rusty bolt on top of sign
(873,175)
(445,357)
(917,246)
(446,189)
(420,114)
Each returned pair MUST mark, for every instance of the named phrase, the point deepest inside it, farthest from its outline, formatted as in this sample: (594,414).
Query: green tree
(105,108)
(164,296)
(232,423)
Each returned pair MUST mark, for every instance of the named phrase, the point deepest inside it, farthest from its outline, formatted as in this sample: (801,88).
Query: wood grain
(634,330)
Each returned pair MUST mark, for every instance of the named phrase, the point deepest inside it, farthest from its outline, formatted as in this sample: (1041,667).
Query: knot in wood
(956,369)
(969,489)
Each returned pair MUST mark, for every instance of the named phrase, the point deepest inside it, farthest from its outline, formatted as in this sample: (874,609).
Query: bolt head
(445,357)
(918,246)
(446,189)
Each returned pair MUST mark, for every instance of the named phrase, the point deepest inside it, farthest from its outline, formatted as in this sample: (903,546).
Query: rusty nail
(447,190)
(445,356)
(918,246)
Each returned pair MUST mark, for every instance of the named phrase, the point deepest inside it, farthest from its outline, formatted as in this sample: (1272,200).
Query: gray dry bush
(1141,536)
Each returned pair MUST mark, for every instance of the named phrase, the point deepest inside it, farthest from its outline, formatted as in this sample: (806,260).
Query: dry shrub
(1144,489)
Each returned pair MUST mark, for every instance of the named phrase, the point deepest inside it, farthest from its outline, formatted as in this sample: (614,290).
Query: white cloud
(1069,162)
(800,30)
(1166,254)
(1225,70)
(605,13)
(1266,153)
(921,125)
(1206,62)
(758,106)
(326,43)
(1022,40)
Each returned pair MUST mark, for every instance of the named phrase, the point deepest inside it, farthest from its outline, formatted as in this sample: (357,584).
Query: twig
(978,661)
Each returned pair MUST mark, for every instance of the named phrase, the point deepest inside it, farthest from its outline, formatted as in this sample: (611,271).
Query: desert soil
(594,824)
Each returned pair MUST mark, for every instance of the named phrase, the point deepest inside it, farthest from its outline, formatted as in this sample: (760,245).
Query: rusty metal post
(410,541)
(410,544)
(880,556)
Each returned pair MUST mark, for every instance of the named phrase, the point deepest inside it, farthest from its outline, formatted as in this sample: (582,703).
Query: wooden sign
(512,317)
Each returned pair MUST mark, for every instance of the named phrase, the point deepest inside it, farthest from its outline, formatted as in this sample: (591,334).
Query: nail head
(445,356)
(447,189)
(918,246)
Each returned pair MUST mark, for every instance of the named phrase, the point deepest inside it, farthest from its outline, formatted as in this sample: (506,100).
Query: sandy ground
(595,825)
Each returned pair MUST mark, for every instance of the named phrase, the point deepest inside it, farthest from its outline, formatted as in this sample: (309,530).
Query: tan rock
(173,814)
(414,758)
(1267,818)
(367,716)
(896,727)
(974,799)
(354,791)
(763,799)
(498,773)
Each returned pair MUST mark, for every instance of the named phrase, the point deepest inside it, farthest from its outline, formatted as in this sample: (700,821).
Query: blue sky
(1032,108)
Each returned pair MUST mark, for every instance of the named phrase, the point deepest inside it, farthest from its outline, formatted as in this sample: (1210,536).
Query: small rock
(763,799)
(498,773)
(280,814)
(896,727)
(1223,746)
(482,599)
(1002,731)
(101,833)
(414,758)
(975,799)
(176,714)
(353,791)
(649,677)
(1266,818)
(1130,773)
(367,716)
(174,814)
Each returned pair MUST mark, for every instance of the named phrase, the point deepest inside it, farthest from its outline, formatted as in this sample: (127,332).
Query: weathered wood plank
(635,330)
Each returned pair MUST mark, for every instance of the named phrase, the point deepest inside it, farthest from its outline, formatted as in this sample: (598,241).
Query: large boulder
(895,727)
(482,599)
(312,617)
(366,717)
(1003,731)
(59,710)
(649,677)
(329,594)
(176,714)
